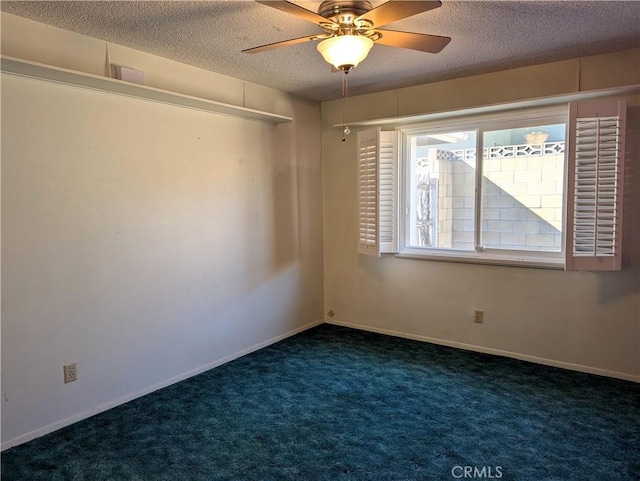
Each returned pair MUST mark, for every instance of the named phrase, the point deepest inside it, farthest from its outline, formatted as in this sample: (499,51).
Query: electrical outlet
(70,373)
(478,316)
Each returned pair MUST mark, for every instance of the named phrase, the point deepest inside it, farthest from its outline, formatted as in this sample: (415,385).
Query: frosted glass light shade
(345,51)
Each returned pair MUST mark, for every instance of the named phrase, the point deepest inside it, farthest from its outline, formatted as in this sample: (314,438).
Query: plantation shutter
(388,199)
(595,183)
(368,141)
(377,192)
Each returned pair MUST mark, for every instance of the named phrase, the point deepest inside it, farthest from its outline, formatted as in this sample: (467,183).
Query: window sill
(519,259)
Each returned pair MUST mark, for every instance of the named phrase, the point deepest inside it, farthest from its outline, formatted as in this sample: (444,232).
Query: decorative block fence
(522,197)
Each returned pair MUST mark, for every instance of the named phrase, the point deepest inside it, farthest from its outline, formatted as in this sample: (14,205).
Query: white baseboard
(168,382)
(497,352)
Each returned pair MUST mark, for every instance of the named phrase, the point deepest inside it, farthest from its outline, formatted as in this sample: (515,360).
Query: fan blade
(391,11)
(414,41)
(285,43)
(297,10)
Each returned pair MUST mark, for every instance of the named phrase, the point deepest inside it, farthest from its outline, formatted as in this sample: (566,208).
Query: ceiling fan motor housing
(343,12)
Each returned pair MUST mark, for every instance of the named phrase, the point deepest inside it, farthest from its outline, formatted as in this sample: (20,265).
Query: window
(504,204)
(441,189)
(519,202)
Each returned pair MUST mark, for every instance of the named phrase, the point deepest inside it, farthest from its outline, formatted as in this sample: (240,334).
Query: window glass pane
(522,188)
(442,190)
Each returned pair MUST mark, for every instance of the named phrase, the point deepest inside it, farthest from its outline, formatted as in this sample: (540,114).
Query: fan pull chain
(345,104)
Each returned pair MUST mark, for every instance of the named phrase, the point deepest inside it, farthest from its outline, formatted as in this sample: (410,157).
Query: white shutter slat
(388,192)
(377,191)
(367,192)
(595,182)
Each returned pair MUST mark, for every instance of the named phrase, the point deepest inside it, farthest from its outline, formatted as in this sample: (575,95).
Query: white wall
(580,320)
(145,242)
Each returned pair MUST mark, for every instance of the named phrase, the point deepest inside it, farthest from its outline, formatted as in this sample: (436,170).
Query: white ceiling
(487,36)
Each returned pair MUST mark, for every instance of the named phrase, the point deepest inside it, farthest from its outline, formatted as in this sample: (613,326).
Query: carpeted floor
(338,404)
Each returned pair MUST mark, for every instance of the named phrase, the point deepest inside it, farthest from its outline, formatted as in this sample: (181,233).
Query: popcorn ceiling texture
(487,36)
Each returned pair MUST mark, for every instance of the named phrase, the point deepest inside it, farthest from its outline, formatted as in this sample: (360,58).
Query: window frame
(480,124)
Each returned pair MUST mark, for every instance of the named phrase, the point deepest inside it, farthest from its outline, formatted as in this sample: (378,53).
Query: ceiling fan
(351,27)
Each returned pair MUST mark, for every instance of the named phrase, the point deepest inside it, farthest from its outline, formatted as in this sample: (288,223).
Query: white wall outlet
(478,316)
(70,373)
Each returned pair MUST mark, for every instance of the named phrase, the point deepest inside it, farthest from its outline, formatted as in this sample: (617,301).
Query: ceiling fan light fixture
(345,52)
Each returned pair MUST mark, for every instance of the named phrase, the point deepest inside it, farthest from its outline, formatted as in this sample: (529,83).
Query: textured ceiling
(487,36)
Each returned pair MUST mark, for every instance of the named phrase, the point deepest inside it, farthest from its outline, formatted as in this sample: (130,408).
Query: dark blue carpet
(339,404)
